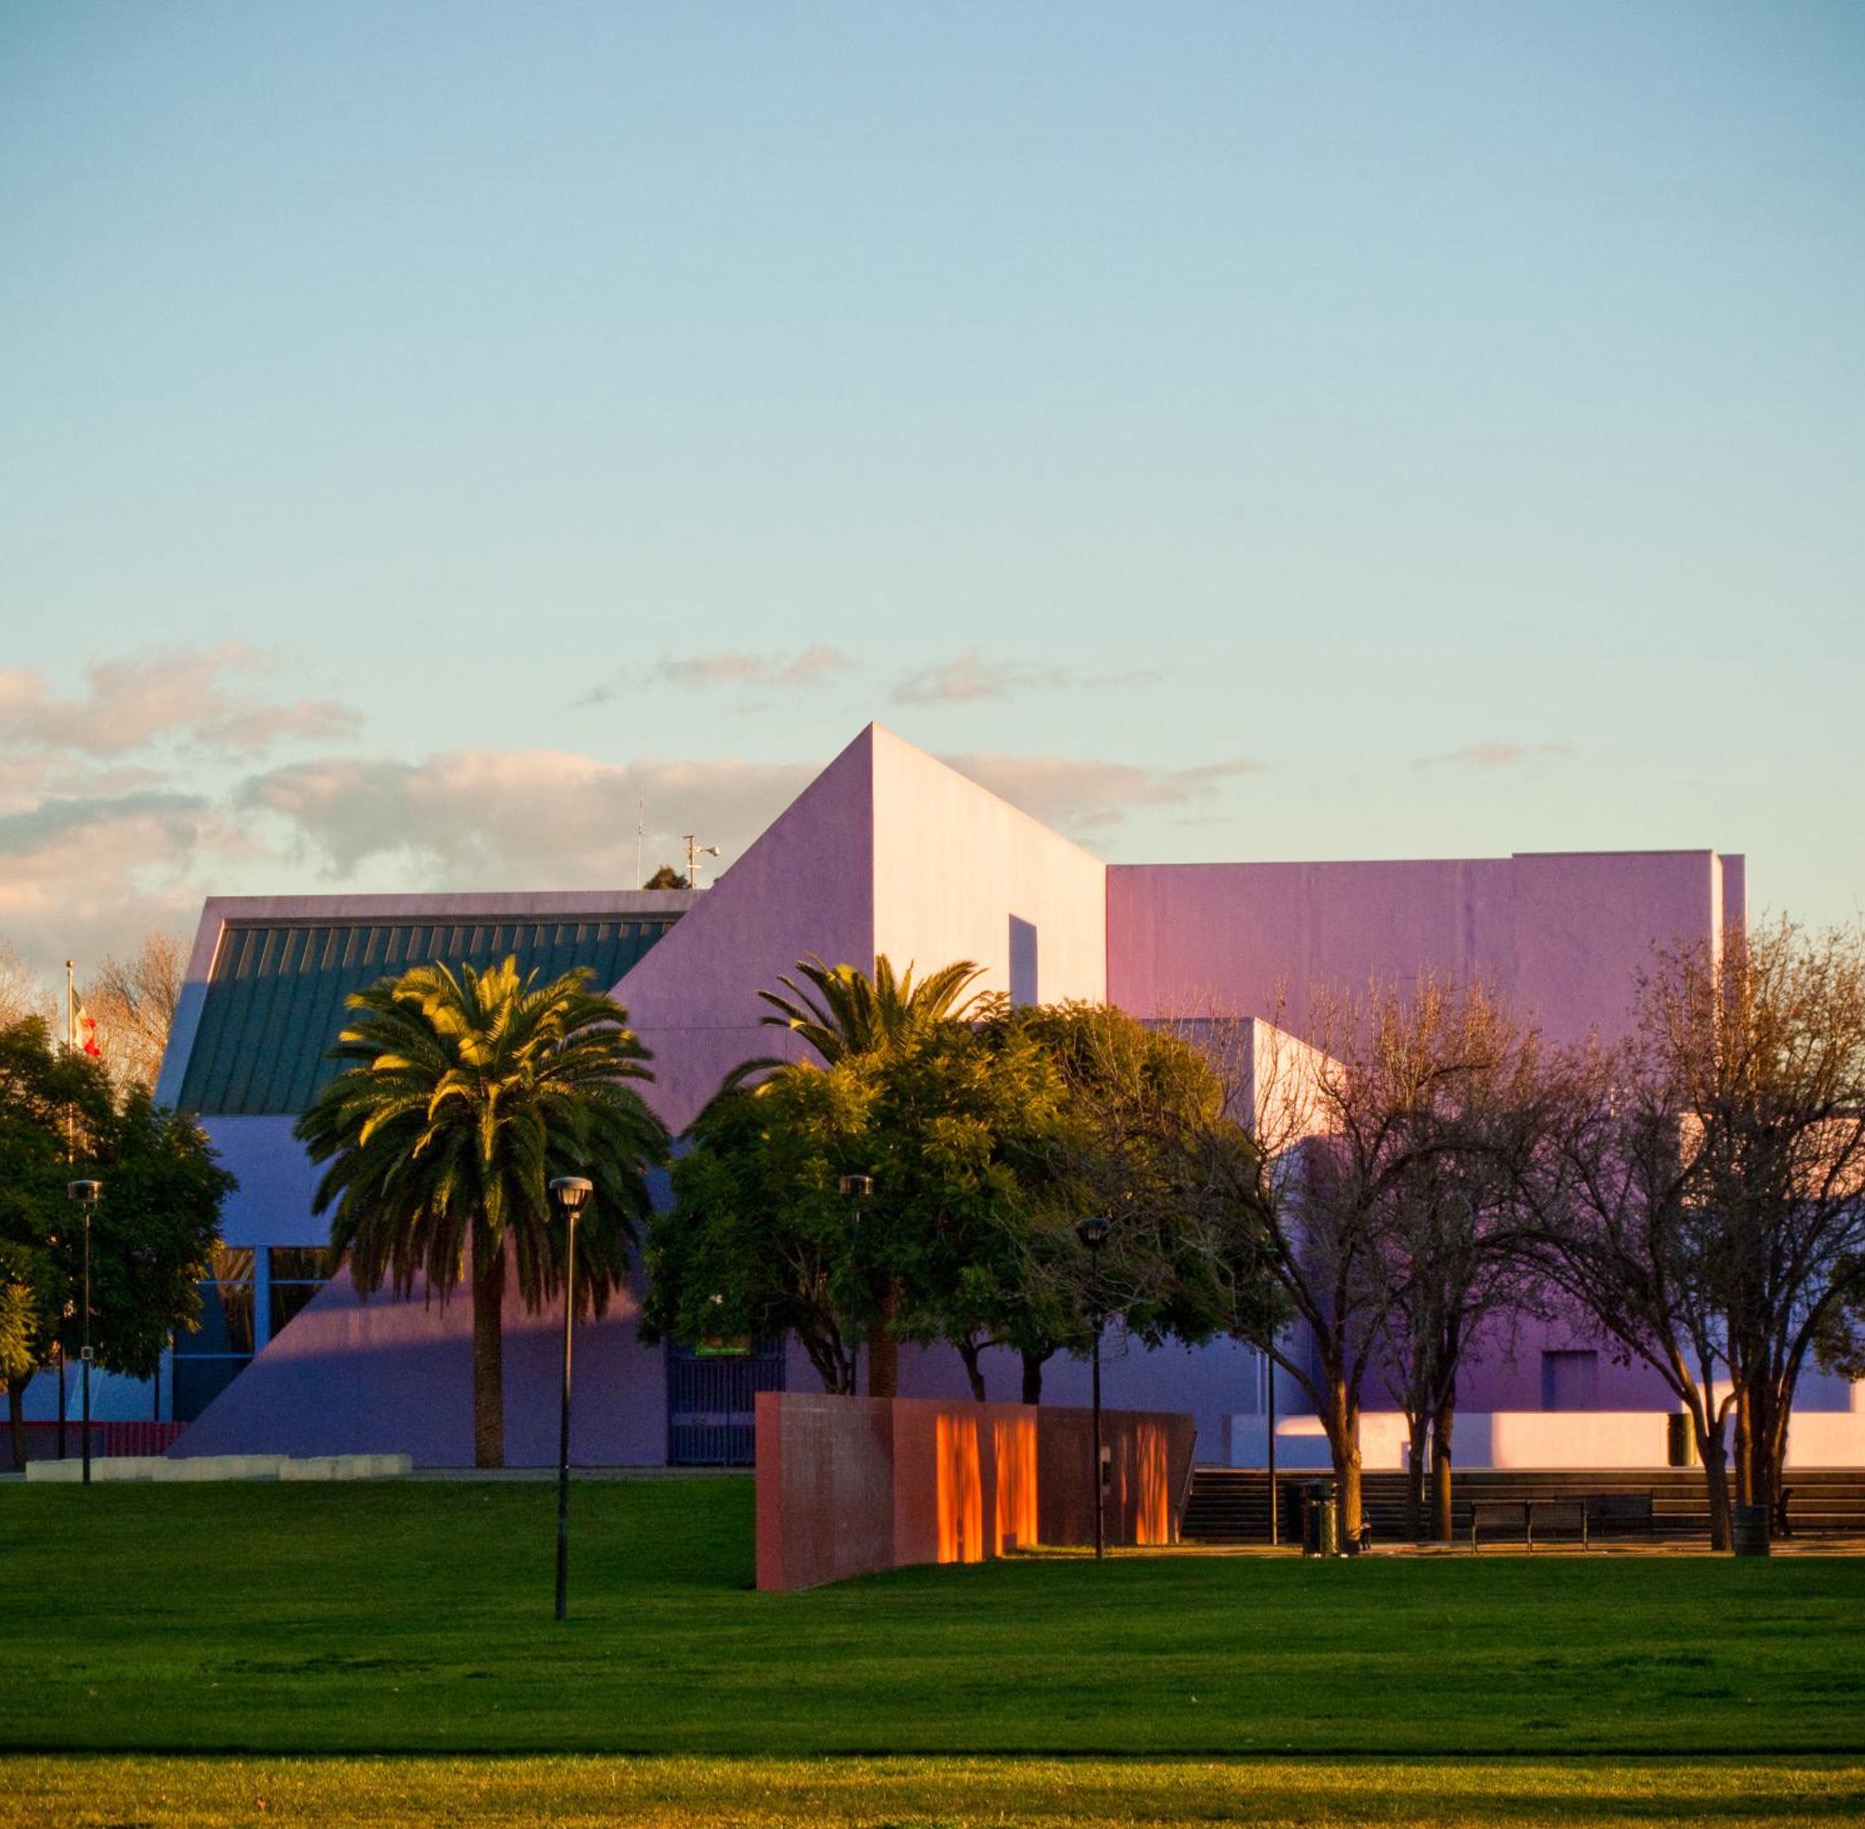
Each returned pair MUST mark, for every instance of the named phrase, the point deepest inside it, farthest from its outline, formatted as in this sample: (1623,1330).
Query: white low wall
(1497,1438)
(1534,1438)
(1826,1438)
(223,1467)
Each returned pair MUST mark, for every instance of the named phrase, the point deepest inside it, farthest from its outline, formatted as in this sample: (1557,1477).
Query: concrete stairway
(1231,1504)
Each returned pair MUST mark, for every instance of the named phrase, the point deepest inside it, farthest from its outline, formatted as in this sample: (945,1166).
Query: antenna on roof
(694,852)
(641,807)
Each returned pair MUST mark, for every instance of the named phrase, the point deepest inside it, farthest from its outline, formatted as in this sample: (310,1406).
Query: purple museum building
(887,851)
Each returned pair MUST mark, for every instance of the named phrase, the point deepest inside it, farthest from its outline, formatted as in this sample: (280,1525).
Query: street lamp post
(85,1193)
(1093,1234)
(568,1192)
(856,1189)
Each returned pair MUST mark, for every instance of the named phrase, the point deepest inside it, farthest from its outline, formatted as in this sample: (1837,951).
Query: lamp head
(84,1191)
(855,1187)
(1093,1230)
(570,1192)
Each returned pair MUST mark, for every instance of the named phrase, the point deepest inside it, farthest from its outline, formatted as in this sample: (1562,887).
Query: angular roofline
(221,913)
(217,912)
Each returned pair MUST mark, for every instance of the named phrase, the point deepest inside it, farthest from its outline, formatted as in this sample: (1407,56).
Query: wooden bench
(1550,1514)
(1620,1514)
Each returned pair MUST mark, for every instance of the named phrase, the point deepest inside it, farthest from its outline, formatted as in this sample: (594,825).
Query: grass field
(918,1794)
(285,1621)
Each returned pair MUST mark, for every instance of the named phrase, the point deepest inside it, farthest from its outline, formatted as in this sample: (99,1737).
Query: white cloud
(1495,753)
(971,679)
(185,696)
(812,667)
(84,877)
(523,819)
(797,672)
(1081,796)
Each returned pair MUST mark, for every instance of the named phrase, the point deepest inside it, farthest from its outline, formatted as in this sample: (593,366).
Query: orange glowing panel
(961,1490)
(1152,1521)
(1015,1511)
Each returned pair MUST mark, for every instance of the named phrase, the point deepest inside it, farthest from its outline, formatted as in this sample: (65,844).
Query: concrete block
(311,1467)
(53,1473)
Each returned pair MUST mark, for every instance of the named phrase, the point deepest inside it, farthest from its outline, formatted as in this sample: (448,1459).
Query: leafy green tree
(759,1241)
(153,1232)
(458,1102)
(847,1015)
(957,1140)
(666,877)
(1110,1140)
(986,1143)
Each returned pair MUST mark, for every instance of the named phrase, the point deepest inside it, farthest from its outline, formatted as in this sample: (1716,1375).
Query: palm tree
(855,1014)
(458,1100)
(851,1015)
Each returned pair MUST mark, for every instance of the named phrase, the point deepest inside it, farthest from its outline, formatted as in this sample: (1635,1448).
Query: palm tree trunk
(489,1359)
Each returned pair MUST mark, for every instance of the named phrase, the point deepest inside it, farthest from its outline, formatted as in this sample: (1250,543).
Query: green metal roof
(275,996)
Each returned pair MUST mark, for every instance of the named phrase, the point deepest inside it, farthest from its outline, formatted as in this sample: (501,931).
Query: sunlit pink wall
(805,886)
(1560,935)
(953,864)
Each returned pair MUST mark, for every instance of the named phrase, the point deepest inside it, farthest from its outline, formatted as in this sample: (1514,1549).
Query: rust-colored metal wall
(847,1485)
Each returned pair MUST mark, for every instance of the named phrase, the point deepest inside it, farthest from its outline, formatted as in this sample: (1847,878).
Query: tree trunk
(1744,1447)
(1766,1447)
(1415,1477)
(884,1349)
(883,1362)
(1032,1392)
(16,1419)
(968,1351)
(1442,1430)
(1342,1427)
(489,1359)
(1715,1455)
(1773,1446)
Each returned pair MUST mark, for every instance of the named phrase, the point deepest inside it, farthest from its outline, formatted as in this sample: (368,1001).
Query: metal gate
(710,1408)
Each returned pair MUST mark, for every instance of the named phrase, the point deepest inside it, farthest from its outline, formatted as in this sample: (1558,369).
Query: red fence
(106,1439)
(851,1484)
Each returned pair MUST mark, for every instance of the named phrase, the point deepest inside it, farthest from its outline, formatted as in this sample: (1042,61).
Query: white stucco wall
(953,864)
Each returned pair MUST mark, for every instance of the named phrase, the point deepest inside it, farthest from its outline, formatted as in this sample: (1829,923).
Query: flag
(84,1032)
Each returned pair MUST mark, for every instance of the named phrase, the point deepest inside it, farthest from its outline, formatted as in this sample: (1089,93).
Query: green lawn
(181,1793)
(415,1618)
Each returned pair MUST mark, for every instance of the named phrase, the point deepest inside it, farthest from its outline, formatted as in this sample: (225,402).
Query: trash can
(1751,1530)
(1680,1440)
(1321,1518)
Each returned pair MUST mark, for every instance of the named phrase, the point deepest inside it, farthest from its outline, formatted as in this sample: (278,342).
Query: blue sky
(1234,431)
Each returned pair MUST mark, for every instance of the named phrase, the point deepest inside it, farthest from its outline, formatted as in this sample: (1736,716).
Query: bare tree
(134,1001)
(21,993)
(1344,1130)
(1703,1198)
(1766,1046)
(1456,1215)
(1618,1229)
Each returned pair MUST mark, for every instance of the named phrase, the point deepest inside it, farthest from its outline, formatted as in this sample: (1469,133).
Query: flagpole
(71,1152)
